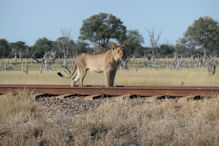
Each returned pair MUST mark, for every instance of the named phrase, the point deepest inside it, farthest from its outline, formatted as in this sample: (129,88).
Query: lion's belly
(96,63)
(97,69)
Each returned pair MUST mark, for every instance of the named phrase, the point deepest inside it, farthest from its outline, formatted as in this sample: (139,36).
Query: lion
(105,62)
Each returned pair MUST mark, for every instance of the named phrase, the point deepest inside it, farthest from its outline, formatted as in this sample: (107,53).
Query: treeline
(99,31)
(41,46)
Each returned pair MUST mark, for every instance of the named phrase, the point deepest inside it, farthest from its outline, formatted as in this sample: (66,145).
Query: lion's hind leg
(75,79)
(83,72)
(107,78)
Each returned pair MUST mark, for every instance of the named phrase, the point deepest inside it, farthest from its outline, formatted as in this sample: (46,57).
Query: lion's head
(117,51)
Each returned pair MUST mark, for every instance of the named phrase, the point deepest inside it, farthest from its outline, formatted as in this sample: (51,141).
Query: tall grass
(20,107)
(167,123)
(127,122)
(17,113)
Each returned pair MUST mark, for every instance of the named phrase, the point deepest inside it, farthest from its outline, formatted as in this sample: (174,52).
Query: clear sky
(29,20)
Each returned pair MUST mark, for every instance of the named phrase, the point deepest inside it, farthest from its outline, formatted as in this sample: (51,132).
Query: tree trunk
(15,57)
(65,60)
(205,52)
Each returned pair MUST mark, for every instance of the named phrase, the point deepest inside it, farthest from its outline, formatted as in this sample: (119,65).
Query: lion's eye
(118,51)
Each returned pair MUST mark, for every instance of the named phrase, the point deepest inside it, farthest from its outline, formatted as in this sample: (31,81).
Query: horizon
(28,20)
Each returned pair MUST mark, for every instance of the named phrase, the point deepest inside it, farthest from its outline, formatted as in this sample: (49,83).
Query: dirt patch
(70,106)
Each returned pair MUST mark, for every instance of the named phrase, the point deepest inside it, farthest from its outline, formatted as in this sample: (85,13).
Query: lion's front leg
(112,77)
(107,78)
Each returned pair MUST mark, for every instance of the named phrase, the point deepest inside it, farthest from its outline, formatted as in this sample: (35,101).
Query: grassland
(134,76)
(24,121)
(130,77)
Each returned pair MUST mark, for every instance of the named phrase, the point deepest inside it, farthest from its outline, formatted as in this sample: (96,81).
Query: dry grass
(167,123)
(128,122)
(31,78)
(131,77)
(167,77)
(20,107)
(17,113)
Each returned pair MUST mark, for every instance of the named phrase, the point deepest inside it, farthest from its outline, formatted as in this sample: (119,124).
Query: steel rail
(116,90)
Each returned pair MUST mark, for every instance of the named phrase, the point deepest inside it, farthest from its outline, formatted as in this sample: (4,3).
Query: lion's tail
(61,75)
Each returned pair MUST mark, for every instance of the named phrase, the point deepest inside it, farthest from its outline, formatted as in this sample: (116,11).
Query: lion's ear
(113,46)
(123,46)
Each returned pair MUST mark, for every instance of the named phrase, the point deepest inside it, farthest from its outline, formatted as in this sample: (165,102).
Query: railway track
(92,91)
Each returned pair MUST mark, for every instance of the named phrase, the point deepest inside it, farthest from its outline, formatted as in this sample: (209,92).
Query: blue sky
(29,20)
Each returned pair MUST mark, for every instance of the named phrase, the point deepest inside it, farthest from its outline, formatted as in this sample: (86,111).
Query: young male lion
(106,62)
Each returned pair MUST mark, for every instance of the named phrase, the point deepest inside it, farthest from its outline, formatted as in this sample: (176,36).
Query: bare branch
(154,41)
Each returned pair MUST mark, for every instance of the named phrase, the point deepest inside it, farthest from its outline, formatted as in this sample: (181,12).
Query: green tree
(4,48)
(188,45)
(166,50)
(101,28)
(19,48)
(142,52)
(80,47)
(133,41)
(202,32)
(41,46)
(214,49)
